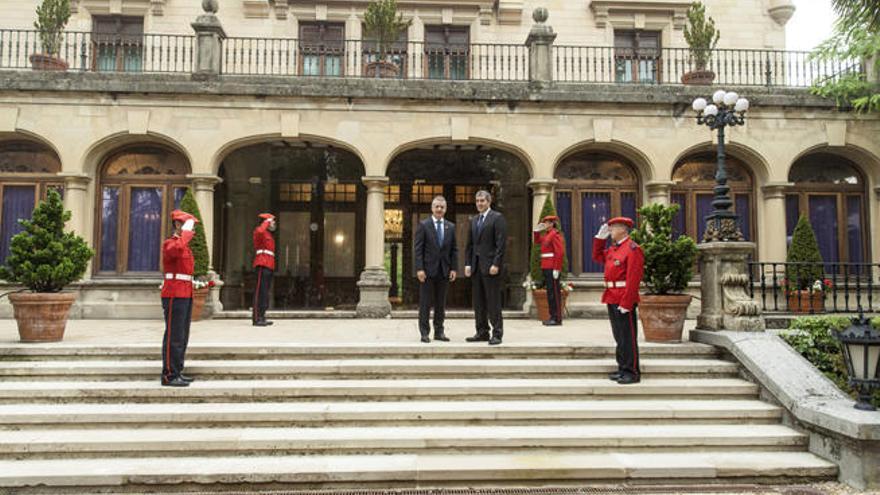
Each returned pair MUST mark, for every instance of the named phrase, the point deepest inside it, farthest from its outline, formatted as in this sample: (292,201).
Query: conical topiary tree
(43,257)
(535,258)
(803,249)
(199,244)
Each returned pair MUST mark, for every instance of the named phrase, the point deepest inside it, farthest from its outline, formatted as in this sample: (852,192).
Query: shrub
(803,249)
(700,34)
(52,17)
(669,264)
(199,244)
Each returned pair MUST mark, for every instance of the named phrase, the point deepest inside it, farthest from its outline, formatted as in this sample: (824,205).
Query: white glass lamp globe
(718,96)
(742,105)
(711,110)
(699,105)
(730,98)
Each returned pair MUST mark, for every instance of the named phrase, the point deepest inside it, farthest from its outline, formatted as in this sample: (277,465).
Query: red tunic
(177,259)
(264,247)
(624,262)
(552,249)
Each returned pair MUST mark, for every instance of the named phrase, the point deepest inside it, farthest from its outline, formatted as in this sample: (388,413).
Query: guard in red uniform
(264,265)
(624,266)
(552,255)
(177,290)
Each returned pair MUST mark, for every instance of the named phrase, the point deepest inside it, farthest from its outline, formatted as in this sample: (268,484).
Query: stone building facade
(273,107)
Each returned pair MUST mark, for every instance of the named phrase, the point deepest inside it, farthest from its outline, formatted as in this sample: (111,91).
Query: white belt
(266,252)
(178,276)
(615,285)
(547,255)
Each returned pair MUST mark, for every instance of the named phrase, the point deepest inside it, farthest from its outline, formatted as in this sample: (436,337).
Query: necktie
(480,222)
(439,226)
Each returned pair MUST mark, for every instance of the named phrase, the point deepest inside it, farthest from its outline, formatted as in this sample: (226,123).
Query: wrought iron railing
(797,288)
(82,51)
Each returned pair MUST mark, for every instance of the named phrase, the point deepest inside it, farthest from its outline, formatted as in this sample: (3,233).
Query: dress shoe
(614,376)
(174,382)
(187,379)
(478,338)
(552,323)
(494,341)
(426,339)
(441,337)
(263,323)
(628,379)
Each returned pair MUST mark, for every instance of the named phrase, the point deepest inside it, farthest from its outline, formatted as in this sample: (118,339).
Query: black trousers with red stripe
(261,293)
(554,295)
(625,327)
(178,315)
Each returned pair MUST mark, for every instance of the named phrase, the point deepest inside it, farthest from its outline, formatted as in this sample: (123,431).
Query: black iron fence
(811,288)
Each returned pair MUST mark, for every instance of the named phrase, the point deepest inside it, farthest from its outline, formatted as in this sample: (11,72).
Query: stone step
(374,389)
(398,413)
(360,368)
(291,440)
(527,468)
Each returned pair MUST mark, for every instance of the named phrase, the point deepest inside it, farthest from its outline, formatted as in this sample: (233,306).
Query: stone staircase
(80,418)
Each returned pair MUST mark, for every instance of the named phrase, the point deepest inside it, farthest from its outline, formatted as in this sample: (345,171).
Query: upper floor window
(323,48)
(118,43)
(447,52)
(637,56)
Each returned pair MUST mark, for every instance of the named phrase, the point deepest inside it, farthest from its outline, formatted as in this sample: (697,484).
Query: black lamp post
(861,352)
(727,110)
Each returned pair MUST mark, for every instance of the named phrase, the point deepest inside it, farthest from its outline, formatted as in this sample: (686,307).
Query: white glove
(188,225)
(541,227)
(555,274)
(604,232)
(622,311)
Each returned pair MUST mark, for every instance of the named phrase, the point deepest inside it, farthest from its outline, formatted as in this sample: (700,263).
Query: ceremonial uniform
(552,247)
(177,290)
(264,266)
(624,266)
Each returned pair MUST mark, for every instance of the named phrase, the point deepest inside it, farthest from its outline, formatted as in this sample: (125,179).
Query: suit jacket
(486,245)
(436,260)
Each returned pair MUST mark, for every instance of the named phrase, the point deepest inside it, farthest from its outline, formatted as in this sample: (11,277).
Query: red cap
(266,216)
(624,220)
(550,218)
(182,216)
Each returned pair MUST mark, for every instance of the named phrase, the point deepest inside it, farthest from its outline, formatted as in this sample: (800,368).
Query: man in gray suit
(484,259)
(436,258)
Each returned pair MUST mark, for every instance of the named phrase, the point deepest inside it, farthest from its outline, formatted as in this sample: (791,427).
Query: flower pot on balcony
(805,301)
(382,69)
(540,298)
(41,61)
(698,77)
(663,317)
(41,316)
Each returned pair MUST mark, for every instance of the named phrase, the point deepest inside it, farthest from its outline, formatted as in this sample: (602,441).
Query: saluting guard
(552,255)
(264,266)
(177,291)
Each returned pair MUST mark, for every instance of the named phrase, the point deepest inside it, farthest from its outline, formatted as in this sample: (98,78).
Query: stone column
(203,190)
(416,49)
(374,283)
(724,280)
(540,43)
(773,229)
(541,188)
(76,200)
(659,192)
(209,40)
(873,222)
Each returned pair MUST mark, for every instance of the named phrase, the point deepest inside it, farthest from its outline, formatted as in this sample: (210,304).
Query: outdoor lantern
(861,352)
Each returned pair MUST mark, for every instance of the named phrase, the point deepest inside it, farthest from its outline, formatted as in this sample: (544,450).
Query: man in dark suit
(436,258)
(487,239)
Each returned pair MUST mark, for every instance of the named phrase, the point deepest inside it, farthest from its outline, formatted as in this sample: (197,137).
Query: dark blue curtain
(823,217)
(704,209)
(563,210)
(792,214)
(109,228)
(854,228)
(596,211)
(18,203)
(145,229)
(628,206)
(179,192)
(679,225)
(743,213)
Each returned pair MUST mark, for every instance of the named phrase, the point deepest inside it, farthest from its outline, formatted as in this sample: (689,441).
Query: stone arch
(230,147)
(97,152)
(642,163)
(516,151)
(757,163)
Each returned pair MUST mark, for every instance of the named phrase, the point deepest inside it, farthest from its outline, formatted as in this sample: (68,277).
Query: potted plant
(202,285)
(537,283)
(701,37)
(44,259)
(52,17)
(669,266)
(383,25)
(805,284)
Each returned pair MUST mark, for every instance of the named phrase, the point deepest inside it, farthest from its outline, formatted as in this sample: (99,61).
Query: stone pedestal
(209,42)
(724,283)
(374,283)
(540,43)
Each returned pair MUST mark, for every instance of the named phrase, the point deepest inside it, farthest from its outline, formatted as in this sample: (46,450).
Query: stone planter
(41,316)
(383,70)
(41,61)
(199,298)
(663,317)
(540,298)
(805,301)
(698,77)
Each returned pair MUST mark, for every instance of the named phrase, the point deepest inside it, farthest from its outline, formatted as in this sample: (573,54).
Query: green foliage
(52,17)
(866,10)
(803,249)
(535,257)
(43,257)
(198,245)
(813,338)
(700,34)
(669,263)
(384,24)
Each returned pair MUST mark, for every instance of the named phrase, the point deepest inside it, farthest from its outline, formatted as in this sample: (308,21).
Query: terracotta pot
(381,69)
(699,77)
(199,298)
(41,316)
(805,302)
(540,298)
(663,317)
(41,61)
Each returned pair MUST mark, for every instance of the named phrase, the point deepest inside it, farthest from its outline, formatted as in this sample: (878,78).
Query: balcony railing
(790,287)
(102,53)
